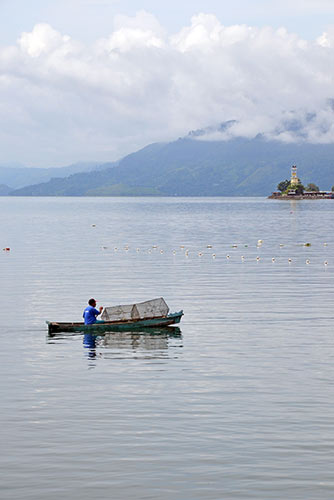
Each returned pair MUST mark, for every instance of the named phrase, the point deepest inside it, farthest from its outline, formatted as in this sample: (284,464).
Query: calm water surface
(238,405)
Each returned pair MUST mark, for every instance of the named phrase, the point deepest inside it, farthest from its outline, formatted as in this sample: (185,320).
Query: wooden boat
(115,326)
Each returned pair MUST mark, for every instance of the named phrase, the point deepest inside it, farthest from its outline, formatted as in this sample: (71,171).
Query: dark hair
(92,302)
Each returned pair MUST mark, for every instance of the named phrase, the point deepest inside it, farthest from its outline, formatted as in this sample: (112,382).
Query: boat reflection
(147,343)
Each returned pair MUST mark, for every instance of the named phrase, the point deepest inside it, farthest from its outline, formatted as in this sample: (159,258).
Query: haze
(97,79)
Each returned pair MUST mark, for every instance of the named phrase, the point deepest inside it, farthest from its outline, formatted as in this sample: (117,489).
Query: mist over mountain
(17,176)
(192,166)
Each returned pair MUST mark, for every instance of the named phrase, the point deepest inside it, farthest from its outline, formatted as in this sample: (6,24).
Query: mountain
(194,167)
(5,190)
(18,176)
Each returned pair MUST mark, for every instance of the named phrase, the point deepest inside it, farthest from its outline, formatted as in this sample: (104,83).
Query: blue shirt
(89,315)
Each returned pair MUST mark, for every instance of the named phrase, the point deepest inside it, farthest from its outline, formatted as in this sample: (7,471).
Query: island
(294,189)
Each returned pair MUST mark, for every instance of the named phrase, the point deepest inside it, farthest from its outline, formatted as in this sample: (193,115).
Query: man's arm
(98,312)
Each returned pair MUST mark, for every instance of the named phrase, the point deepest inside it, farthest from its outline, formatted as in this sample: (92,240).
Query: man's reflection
(89,342)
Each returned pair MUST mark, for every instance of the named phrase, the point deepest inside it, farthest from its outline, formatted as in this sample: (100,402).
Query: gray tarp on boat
(155,308)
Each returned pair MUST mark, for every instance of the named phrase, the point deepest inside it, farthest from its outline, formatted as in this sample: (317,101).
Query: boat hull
(114,326)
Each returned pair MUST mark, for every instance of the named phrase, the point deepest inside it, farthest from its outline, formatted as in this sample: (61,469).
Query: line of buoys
(203,254)
(234,245)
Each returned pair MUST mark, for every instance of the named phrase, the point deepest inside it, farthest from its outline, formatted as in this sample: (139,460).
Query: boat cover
(155,308)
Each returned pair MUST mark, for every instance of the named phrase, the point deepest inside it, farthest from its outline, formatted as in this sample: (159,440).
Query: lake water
(238,405)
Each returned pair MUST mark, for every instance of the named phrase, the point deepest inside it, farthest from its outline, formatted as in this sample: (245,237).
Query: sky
(93,80)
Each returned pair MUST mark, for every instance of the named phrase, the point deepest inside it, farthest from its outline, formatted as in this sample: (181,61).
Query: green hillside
(189,167)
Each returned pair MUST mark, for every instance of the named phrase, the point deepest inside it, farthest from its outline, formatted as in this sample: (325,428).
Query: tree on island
(284,185)
(299,189)
(312,187)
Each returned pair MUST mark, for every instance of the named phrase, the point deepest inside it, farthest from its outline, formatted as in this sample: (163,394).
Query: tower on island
(294,178)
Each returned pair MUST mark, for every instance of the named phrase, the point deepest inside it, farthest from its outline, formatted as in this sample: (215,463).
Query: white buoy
(227,256)
(161,251)
(242,257)
(258,258)
(290,260)
(213,255)
(307,261)
(174,252)
(326,263)
(115,249)
(200,254)
(273,259)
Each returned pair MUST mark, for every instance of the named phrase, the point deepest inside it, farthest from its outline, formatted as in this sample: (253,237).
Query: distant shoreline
(306,196)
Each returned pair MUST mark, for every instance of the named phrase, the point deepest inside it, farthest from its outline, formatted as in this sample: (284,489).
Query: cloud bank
(62,101)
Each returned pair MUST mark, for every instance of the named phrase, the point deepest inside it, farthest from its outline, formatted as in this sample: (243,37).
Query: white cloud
(61,101)
(132,33)
(42,40)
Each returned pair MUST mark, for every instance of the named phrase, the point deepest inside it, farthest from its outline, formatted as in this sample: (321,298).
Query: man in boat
(90,313)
